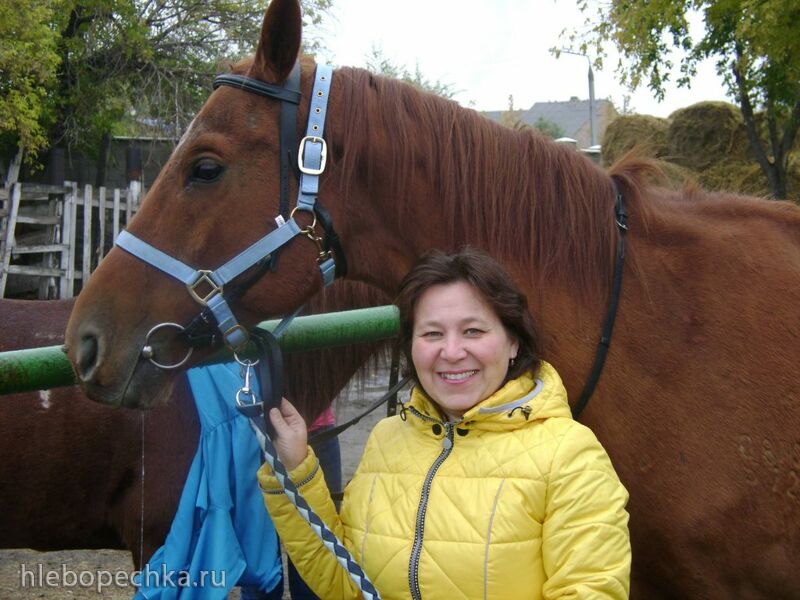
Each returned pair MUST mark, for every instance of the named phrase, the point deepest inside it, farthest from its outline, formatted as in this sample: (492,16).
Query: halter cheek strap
(206,286)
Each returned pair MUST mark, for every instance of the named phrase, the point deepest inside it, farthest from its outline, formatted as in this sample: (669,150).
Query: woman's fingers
(290,431)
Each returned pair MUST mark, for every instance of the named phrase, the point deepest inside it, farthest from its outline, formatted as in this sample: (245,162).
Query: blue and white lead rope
(327,536)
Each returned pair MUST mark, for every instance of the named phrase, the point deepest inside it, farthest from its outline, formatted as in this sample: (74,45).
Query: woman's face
(459,347)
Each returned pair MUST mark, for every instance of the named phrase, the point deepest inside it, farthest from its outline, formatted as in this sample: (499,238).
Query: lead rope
(257,411)
(141,503)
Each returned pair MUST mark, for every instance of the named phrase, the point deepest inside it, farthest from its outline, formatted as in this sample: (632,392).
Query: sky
(490,49)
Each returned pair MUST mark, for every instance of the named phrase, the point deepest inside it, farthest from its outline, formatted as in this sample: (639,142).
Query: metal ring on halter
(313,223)
(148,352)
(246,362)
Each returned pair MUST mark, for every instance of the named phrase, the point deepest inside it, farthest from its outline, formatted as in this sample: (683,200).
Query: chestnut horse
(71,475)
(699,402)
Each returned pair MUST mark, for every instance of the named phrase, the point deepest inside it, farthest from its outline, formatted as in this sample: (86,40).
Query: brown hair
(494,285)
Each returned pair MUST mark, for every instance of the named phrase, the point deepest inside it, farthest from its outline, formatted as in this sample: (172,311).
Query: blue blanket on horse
(222,535)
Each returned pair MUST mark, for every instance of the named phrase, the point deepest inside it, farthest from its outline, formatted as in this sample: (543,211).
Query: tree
(379,64)
(121,66)
(549,128)
(28,63)
(757,50)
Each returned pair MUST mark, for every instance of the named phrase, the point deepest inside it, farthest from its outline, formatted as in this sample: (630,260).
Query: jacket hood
(520,401)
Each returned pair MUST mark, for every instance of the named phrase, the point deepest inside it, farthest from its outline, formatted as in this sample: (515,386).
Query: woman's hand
(292,437)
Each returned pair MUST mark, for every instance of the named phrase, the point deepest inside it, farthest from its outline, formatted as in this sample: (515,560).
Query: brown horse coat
(698,406)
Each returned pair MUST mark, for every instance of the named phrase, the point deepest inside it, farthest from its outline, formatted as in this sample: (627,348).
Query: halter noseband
(207,287)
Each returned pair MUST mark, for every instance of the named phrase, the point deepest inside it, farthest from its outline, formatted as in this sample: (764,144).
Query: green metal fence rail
(48,367)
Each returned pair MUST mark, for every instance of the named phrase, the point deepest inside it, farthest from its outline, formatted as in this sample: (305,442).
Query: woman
(483,486)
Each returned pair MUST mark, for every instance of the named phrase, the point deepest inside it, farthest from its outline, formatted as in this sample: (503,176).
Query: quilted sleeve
(315,563)
(585,542)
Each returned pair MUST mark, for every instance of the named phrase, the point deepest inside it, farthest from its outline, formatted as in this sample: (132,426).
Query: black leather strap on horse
(324,436)
(608,326)
(269,372)
(332,241)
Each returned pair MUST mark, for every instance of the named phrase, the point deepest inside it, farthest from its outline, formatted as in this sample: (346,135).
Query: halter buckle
(323,158)
(203,278)
(230,333)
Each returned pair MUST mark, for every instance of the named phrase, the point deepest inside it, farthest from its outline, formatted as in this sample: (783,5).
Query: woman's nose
(453,349)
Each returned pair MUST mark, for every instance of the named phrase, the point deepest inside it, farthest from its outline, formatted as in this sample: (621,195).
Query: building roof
(572,116)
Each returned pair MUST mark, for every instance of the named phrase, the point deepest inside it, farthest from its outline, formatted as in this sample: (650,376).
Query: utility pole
(592,125)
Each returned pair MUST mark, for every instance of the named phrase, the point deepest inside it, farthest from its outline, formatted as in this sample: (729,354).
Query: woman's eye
(472,331)
(206,170)
(431,334)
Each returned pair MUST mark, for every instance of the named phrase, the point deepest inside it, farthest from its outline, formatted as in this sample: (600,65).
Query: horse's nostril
(88,352)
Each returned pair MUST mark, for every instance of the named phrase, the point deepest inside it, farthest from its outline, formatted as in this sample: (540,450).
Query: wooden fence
(53,237)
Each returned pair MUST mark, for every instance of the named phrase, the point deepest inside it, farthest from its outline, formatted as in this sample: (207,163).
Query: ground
(18,565)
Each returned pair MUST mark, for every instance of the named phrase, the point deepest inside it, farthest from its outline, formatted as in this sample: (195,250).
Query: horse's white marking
(185,136)
(44,399)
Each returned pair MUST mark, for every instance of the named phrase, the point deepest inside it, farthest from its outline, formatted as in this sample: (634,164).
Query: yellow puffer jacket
(516,500)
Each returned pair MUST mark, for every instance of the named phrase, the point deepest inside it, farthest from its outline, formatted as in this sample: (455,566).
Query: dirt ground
(28,575)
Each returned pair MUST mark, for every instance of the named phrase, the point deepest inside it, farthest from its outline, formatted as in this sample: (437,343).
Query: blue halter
(206,286)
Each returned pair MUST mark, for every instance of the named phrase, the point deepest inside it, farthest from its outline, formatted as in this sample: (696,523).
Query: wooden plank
(87,229)
(35,270)
(33,190)
(71,215)
(115,213)
(38,248)
(13,175)
(101,214)
(8,237)
(38,220)
(129,203)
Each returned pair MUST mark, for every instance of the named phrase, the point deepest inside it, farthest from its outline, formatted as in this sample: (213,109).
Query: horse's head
(218,194)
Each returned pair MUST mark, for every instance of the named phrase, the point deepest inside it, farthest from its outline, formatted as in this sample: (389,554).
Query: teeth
(457,376)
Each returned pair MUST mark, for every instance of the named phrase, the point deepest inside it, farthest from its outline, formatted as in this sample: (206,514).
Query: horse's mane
(497,186)
(316,377)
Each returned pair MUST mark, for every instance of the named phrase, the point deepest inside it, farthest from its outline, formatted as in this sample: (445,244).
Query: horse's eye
(206,170)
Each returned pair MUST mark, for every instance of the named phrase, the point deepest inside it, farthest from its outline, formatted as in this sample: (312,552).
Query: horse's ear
(280,40)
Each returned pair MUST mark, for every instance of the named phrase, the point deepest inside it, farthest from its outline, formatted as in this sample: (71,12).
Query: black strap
(254,86)
(269,372)
(323,436)
(288,137)
(331,240)
(608,327)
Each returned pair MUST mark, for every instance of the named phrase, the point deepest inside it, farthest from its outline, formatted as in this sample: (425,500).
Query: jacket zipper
(416,547)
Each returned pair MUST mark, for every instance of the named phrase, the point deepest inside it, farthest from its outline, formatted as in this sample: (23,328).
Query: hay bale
(629,131)
(705,133)
(735,176)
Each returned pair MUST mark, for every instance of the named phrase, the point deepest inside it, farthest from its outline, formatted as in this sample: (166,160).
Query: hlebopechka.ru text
(33,576)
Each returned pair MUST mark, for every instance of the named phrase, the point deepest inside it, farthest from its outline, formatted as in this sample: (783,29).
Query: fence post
(8,237)
(101,215)
(115,215)
(70,225)
(86,266)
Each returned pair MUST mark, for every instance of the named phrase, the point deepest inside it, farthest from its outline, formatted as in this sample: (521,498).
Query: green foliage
(379,64)
(755,44)
(549,128)
(73,70)
(28,63)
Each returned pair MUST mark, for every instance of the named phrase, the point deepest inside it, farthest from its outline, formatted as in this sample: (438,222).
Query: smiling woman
(483,486)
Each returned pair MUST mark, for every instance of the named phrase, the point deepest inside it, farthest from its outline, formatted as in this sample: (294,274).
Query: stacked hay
(707,142)
(643,132)
(648,136)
